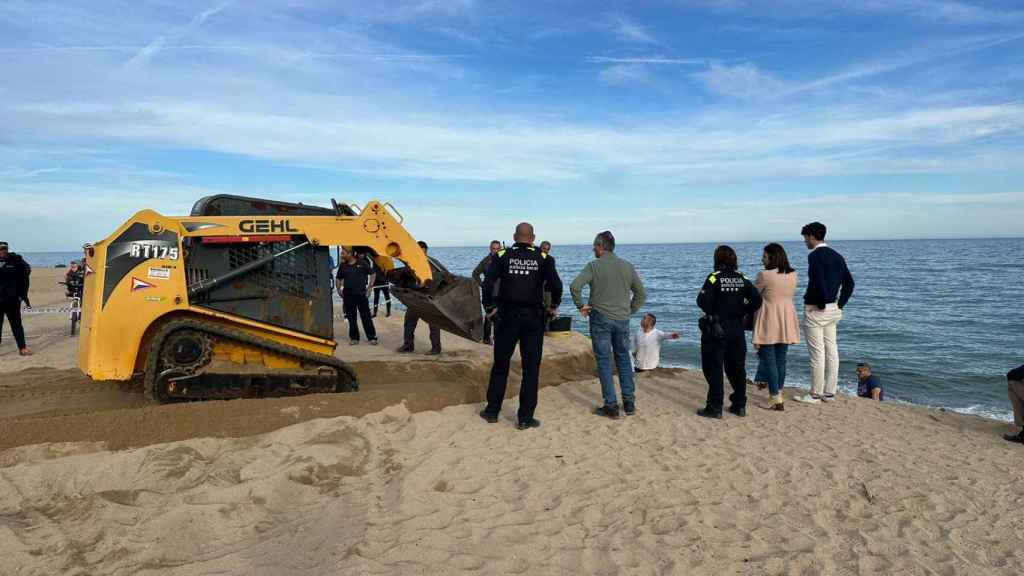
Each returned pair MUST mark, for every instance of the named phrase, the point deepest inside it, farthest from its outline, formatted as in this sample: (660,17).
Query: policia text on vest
(523,274)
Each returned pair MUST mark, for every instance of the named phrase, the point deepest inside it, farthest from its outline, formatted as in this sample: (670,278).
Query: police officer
(523,273)
(726,297)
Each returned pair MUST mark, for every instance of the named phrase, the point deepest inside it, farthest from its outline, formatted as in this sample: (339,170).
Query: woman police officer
(726,297)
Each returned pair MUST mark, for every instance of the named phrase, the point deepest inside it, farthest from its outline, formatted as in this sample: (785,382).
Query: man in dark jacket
(478,273)
(14,282)
(354,278)
(1015,381)
(409,326)
(520,274)
(829,287)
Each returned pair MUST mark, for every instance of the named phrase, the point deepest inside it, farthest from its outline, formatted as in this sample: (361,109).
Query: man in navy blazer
(829,287)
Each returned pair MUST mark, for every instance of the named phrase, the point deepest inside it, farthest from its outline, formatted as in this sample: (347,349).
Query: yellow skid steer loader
(235,300)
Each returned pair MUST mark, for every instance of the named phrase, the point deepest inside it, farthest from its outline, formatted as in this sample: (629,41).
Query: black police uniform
(524,273)
(354,279)
(727,296)
(14,284)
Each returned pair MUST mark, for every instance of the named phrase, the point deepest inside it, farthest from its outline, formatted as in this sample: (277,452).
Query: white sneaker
(807,399)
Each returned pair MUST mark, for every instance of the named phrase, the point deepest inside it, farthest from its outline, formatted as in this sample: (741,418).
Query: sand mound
(850,488)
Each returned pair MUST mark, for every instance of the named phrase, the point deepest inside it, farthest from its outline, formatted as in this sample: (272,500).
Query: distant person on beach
(646,343)
(521,275)
(616,292)
(776,325)
(1015,380)
(409,327)
(354,278)
(726,297)
(15,274)
(545,249)
(829,287)
(478,274)
(381,288)
(868,384)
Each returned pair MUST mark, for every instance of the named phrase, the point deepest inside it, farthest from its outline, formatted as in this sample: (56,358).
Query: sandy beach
(402,477)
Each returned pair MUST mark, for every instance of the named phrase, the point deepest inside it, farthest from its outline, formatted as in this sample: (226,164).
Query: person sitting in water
(646,344)
(868,385)
(1015,382)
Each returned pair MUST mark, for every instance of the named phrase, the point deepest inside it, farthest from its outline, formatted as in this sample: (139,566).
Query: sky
(661,120)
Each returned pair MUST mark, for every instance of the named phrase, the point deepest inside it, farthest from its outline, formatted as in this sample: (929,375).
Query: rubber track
(239,336)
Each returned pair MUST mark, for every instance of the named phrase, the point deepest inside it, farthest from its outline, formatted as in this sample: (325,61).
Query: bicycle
(74,291)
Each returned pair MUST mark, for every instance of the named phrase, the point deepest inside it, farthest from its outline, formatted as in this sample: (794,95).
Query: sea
(941,321)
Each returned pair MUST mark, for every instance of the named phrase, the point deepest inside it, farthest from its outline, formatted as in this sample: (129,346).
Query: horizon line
(676,243)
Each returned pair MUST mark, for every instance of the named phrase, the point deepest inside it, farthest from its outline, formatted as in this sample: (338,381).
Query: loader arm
(427,289)
(375,227)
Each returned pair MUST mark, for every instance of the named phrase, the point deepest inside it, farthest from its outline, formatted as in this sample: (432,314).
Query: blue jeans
(610,338)
(771,366)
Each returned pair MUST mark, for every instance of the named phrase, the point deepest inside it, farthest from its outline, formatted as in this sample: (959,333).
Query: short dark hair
(606,240)
(653,317)
(545,242)
(493,242)
(777,259)
(725,259)
(814,229)
(422,244)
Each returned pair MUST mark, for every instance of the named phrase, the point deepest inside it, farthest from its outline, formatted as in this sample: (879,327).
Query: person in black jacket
(410,322)
(355,276)
(726,297)
(14,284)
(1015,382)
(829,287)
(478,275)
(524,273)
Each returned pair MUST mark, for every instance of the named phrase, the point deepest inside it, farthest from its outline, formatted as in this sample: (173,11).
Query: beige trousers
(1017,401)
(822,346)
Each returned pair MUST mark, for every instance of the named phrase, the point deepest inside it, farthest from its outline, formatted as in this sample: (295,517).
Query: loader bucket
(450,302)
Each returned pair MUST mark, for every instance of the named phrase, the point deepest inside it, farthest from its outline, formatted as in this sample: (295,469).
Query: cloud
(742,81)
(647,60)
(622,74)
(629,30)
(143,56)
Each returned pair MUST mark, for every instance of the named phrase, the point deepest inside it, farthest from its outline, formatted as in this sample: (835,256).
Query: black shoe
(434,352)
(531,423)
(1019,437)
(740,411)
(488,341)
(406,349)
(608,412)
(490,418)
(629,408)
(708,412)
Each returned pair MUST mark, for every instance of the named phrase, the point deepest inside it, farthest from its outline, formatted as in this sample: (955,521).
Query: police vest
(522,276)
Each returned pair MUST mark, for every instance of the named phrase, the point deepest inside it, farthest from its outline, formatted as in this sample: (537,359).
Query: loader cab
(293,291)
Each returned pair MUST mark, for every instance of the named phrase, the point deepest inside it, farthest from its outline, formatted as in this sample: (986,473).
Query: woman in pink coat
(775,325)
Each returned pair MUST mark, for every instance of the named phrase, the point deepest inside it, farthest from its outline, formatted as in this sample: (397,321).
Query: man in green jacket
(616,292)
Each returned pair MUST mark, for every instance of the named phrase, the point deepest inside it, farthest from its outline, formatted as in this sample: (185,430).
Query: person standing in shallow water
(776,325)
(726,297)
